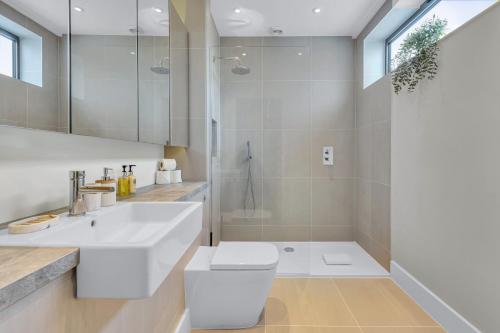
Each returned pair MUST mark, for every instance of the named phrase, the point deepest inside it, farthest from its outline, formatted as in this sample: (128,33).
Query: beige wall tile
(285,63)
(287,201)
(332,202)
(325,49)
(380,226)
(381,151)
(286,233)
(332,105)
(242,105)
(286,154)
(343,160)
(287,104)
(338,233)
(241,233)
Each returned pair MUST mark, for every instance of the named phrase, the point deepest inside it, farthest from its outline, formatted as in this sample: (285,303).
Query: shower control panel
(328,155)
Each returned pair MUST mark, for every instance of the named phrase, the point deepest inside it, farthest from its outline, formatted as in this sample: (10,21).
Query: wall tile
(332,58)
(332,105)
(381,151)
(287,201)
(286,105)
(286,41)
(380,228)
(285,63)
(331,233)
(234,193)
(242,105)
(240,41)
(332,202)
(343,160)
(241,233)
(364,153)
(286,154)
(286,233)
(364,206)
(234,160)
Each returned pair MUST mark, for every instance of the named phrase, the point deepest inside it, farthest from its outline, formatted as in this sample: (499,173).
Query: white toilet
(227,286)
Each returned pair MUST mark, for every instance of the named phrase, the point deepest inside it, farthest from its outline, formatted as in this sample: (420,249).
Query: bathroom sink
(126,251)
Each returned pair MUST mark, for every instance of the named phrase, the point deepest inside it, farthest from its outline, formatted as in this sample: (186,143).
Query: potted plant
(416,58)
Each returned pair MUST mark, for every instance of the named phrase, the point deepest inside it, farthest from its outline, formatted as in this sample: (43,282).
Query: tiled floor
(326,305)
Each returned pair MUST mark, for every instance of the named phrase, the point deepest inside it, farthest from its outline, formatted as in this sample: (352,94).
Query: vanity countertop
(172,192)
(26,269)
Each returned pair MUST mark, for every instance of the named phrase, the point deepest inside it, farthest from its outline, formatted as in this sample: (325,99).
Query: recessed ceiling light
(158,10)
(300,53)
(78,9)
(317,10)
(244,54)
(132,52)
(237,10)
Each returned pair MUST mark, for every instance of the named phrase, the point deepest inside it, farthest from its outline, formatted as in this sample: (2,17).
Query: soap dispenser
(131,179)
(108,179)
(123,187)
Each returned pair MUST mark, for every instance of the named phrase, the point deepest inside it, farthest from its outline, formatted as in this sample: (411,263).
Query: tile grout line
(345,303)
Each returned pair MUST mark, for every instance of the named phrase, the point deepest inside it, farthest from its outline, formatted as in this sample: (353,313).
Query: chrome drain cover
(289,249)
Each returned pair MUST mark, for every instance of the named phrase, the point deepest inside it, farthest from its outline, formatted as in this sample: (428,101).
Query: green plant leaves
(417,57)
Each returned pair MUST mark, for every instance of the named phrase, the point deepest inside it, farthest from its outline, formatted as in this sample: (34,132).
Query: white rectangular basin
(126,251)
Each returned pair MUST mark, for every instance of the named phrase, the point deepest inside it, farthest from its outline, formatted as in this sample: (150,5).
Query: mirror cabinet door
(179,77)
(33,64)
(104,47)
(154,71)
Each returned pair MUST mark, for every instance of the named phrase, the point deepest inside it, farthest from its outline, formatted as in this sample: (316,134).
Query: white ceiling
(100,17)
(295,17)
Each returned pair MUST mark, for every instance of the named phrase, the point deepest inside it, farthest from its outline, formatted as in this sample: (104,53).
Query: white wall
(445,174)
(34,167)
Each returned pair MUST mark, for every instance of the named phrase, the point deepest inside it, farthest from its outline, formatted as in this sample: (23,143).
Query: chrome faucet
(76,190)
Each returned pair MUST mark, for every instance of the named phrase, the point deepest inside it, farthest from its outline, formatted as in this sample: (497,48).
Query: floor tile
(402,330)
(380,302)
(307,302)
(257,329)
(308,329)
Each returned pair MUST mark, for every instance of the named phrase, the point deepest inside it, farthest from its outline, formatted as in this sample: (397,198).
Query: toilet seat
(245,256)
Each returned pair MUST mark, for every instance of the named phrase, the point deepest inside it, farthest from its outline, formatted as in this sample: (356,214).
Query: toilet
(227,286)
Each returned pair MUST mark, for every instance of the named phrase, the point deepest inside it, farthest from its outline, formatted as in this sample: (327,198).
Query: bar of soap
(32,224)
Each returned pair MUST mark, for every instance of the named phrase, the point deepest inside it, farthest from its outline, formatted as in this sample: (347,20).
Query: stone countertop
(172,192)
(26,269)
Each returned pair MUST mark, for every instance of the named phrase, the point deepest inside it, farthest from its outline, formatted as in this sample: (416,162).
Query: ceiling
(294,17)
(99,17)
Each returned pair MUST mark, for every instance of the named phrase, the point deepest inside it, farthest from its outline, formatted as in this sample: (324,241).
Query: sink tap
(76,190)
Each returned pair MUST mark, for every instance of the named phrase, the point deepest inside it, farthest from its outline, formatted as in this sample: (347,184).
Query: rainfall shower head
(162,69)
(238,68)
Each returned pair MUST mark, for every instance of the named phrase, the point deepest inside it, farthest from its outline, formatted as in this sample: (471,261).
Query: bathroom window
(456,13)
(9,54)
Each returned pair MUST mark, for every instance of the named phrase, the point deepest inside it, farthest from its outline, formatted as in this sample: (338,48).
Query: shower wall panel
(297,98)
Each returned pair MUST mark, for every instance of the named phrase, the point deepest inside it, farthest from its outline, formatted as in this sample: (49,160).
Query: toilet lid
(245,256)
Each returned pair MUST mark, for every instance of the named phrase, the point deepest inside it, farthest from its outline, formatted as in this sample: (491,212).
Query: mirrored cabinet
(83,67)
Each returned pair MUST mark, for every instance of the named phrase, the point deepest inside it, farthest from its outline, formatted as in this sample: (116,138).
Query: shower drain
(289,249)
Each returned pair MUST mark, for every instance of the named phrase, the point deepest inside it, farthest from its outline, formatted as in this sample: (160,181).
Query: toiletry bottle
(108,179)
(131,179)
(123,188)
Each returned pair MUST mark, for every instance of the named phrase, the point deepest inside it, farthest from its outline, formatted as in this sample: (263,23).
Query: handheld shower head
(249,152)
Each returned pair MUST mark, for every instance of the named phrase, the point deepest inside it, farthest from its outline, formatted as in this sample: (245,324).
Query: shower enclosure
(283,100)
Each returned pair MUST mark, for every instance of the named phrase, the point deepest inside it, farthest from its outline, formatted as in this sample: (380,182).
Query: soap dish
(33,224)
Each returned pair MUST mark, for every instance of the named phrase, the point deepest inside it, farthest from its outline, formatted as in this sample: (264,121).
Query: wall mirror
(104,68)
(33,64)
(120,69)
